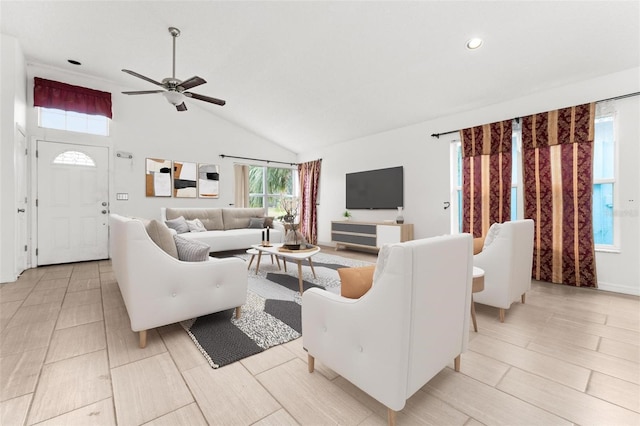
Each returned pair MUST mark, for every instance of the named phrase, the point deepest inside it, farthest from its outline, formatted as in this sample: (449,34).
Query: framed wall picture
(185,178)
(208,181)
(158,177)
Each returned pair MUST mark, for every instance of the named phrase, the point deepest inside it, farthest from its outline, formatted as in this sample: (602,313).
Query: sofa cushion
(256,222)
(179,224)
(355,282)
(237,218)
(268,222)
(191,250)
(162,236)
(211,218)
(196,225)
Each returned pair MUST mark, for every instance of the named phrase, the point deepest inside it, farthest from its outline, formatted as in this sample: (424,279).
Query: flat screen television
(375,189)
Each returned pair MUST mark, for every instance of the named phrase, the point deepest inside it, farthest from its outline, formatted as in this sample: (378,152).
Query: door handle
(20,210)
(104,212)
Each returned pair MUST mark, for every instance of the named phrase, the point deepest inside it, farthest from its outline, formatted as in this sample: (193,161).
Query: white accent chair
(409,326)
(506,259)
(159,289)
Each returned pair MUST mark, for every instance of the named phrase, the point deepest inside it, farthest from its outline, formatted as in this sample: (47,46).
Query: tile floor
(68,357)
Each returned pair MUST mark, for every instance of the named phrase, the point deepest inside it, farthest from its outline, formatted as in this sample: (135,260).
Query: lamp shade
(174,98)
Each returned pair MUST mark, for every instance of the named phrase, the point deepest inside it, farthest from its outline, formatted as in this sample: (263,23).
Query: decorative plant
(346,214)
(290,207)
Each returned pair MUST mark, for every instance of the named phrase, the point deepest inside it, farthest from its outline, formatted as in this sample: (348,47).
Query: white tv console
(369,235)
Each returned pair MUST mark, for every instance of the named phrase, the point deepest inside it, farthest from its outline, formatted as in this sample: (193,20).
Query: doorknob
(104,203)
(104,212)
(20,210)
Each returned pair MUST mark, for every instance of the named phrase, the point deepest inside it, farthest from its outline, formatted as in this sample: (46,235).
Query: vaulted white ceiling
(308,74)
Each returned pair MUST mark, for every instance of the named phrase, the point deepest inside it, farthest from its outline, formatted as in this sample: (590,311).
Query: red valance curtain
(309,175)
(486,176)
(53,94)
(557,173)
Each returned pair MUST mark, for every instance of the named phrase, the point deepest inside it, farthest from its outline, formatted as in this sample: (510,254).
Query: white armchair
(506,259)
(402,332)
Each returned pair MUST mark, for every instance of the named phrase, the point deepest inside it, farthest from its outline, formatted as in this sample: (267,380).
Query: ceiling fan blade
(205,98)
(192,82)
(143,92)
(181,107)
(135,74)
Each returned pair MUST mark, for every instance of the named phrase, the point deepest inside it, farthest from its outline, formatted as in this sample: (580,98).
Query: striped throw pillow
(191,250)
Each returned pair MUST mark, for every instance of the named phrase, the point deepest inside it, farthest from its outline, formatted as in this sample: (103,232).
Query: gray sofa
(226,228)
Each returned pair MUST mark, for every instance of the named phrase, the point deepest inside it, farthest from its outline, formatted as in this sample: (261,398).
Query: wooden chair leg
(522,297)
(311,363)
(143,339)
(456,363)
(473,315)
(391,417)
(238,311)
(501,315)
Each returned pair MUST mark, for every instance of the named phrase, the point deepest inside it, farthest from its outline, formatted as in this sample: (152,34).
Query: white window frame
(265,196)
(77,115)
(455,188)
(602,111)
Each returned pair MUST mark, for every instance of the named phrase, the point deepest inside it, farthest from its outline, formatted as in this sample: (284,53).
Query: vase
(400,217)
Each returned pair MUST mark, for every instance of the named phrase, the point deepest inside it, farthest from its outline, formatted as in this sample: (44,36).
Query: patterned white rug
(271,315)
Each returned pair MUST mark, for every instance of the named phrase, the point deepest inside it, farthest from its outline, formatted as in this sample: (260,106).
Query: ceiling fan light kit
(175,90)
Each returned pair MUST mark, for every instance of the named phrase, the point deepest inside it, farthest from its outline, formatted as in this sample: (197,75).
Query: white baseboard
(617,288)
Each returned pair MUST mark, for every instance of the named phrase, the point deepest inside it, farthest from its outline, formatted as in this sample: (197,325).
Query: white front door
(22,237)
(73,197)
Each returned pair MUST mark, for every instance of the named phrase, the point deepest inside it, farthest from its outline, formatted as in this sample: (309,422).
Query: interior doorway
(22,189)
(72,202)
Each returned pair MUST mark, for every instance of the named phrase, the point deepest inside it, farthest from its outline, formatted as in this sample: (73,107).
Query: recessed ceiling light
(73,61)
(474,43)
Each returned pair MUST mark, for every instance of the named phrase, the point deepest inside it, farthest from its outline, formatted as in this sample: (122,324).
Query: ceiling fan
(175,90)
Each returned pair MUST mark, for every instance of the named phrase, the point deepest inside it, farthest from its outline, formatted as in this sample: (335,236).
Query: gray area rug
(271,315)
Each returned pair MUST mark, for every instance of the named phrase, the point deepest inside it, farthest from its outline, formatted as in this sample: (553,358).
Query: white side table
(476,286)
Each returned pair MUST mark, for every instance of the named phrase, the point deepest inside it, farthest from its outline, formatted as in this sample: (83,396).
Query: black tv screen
(375,189)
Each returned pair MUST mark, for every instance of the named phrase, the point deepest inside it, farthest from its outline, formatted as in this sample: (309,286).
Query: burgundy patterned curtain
(557,173)
(486,176)
(53,94)
(309,175)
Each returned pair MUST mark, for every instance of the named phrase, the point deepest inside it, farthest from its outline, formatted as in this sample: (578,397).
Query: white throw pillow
(196,225)
(179,224)
(494,230)
(191,250)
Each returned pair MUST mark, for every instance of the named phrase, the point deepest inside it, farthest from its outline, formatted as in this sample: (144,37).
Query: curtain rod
(258,159)
(628,95)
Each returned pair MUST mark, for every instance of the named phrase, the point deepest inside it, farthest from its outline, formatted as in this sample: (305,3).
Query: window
(269,185)
(456,205)
(456,149)
(73,121)
(603,180)
(74,158)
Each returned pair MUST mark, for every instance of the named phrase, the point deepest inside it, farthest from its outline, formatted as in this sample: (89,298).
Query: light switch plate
(122,196)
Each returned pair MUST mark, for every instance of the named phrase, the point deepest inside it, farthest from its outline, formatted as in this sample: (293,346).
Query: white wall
(148,126)
(426,162)
(12,114)
(145,126)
